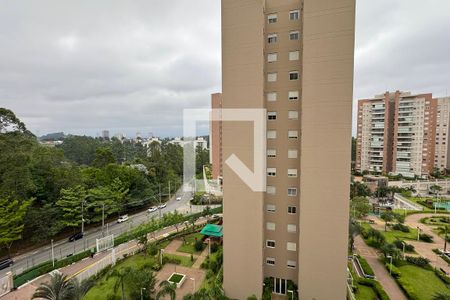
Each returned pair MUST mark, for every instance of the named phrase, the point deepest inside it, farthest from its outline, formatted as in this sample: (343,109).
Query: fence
(6,284)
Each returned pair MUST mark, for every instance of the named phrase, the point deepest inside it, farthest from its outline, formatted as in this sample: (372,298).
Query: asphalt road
(64,248)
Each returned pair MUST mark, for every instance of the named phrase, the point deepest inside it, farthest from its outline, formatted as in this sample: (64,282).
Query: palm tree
(80,289)
(59,288)
(441,296)
(166,288)
(387,217)
(443,230)
(121,275)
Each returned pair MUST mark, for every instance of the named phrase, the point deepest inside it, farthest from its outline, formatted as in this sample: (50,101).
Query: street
(64,248)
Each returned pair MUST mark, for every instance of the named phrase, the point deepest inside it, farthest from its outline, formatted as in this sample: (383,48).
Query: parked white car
(178,198)
(162,206)
(152,209)
(122,219)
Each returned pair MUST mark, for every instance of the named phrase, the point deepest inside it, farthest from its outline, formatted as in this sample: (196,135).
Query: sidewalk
(27,290)
(381,274)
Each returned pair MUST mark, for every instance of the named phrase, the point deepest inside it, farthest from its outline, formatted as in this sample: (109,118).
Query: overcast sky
(82,66)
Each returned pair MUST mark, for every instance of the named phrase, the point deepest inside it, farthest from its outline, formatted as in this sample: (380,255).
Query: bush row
(376,286)
(365,266)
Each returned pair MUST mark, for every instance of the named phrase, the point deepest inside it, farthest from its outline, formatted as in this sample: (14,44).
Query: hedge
(376,286)
(395,272)
(47,267)
(365,266)
(408,289)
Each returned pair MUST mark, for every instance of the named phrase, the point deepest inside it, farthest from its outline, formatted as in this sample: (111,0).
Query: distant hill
(53,136)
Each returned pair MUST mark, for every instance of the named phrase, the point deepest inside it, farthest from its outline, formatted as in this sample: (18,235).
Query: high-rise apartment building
(215,137)
(295,59)
(105,134)
(402,133)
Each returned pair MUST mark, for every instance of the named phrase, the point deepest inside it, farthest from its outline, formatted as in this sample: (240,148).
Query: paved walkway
(200,259)
(382,275)
(194,278)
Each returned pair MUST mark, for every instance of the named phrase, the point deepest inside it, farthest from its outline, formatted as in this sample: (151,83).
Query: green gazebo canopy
(212,230)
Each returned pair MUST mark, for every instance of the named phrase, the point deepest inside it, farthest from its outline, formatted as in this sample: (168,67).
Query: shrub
(400,227)
(399,245)
(395,272)
(365,266)
(418,261)
(426,238)
(407,288)
(214,248)
(199,245)
(442,276)
(376,286)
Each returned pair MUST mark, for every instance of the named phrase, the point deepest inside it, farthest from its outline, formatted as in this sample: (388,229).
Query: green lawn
(188,246)
(393,235)
(183,260)
(105,285)
(424,283)
(365,293)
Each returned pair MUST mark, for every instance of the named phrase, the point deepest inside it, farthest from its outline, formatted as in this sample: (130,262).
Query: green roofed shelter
(212,230)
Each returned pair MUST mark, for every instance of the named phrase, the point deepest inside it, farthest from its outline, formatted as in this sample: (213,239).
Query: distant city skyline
(136,67)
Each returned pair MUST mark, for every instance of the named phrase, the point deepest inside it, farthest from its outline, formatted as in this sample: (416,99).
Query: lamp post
(161,251)
(193,279)
(418,233)
(404,246)
(390,266)
(142,295)
(53,255)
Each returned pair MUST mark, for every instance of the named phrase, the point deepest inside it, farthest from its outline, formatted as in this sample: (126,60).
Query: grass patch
(365,293)
(393,235)
(420,283)
(176,278)
(188,245)
(104,286)
(178,260)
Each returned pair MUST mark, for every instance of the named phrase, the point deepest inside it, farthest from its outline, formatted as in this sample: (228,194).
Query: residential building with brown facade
(402,133)
(293,59)
(215,136)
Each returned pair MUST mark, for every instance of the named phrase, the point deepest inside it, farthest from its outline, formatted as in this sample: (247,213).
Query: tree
(166,288)
(359,189)
(377,236)
(121,275)
(59,288)
(359,207)
(390,250)
(435,189)
(144,278)
(12,214)
(444,230)
(103,157)
(80,289)
(143,241)
(10,123)
(354,230)
(387,217)
(70,203)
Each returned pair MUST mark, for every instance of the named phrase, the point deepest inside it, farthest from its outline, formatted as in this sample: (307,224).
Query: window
(292,75)
(292,210)
(291,246)
(272,18)
(271,134)
(271,115)
(294,15)
(291,264)
(272,77)
(293,95)
(292,153)
(294,35)
(271,190)
(292,192)
(270,261)
(271,208)
(270,244)
(294,55)
(292,228)
(270,226)
(293,115)
(271,153)
(272,38)
(293,134)
(271,172)
(271,57)
(292,172)
(271,97)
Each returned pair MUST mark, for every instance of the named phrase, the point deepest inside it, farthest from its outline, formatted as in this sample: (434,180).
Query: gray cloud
(128,66)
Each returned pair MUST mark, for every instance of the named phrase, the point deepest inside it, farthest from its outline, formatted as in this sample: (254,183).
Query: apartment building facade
(402,133)
(295,60)
(215,136)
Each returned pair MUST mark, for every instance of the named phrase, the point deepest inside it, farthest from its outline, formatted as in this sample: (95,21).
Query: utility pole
(82,217)
(103,219)
(159,208)
(53,255)
(169,190)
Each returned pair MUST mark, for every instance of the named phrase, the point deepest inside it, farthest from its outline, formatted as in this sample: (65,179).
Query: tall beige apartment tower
(215,137)
(295,59)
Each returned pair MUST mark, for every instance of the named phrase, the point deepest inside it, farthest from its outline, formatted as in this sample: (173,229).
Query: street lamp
(161,251)
(142,295)
(418,233)
(404,246)
(390,266)
(53,255)
(193,279)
